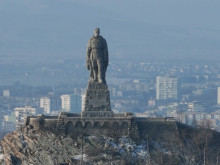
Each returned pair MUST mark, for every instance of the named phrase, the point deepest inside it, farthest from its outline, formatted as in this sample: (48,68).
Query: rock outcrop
(41,147)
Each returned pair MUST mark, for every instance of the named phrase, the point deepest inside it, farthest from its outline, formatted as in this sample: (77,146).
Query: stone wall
(157,128)
(76,126)
(122,125)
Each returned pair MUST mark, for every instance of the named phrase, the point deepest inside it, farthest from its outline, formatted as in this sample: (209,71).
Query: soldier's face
(96,32)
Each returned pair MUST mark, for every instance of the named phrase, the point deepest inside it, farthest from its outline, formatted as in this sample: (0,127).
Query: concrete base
(97,101)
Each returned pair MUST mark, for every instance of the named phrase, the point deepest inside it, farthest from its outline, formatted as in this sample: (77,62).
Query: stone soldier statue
(97,57)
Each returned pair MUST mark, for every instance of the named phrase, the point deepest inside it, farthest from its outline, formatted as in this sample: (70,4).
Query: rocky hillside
(192,146)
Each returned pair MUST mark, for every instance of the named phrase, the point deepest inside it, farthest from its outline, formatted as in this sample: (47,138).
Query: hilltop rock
(29,146)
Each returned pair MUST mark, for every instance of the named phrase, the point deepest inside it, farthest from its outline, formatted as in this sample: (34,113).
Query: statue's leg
(91,79)
(94,70)
(101,71)
(104,72)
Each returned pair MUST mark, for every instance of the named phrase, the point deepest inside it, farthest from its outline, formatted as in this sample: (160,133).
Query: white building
(71,103)
(166,88)
(65,102)
(22,112)
(218,95)
(6,93)
(45,104)
(8,122)
(83,96)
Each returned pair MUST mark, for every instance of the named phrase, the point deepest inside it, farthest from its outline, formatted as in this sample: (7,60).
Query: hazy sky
(140,29)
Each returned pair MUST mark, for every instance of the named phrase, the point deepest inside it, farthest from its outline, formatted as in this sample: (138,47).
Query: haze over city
(43,31)
(37,34)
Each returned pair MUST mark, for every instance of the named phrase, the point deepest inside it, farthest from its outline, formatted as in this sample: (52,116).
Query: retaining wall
(134,127)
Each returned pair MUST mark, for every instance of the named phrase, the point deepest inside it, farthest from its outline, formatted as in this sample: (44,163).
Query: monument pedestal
(97,101)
